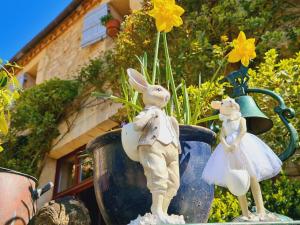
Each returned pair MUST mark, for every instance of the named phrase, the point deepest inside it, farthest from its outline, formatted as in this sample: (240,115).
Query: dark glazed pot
(16,204)
(120,184)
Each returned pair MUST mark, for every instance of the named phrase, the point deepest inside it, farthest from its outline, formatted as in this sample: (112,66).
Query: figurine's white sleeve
(175,125)
(176,128)
(140,121)
(139,116)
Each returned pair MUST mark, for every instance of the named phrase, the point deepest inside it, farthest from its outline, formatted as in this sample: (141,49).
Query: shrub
(283,77)
(191,45)
(34,122)
(281,195)
(225,206)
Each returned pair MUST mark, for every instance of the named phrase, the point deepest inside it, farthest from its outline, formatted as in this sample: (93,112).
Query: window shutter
(22,78)
(93,30)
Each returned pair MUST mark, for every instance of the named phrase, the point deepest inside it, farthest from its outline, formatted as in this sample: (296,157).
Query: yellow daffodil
(167,14)
(224,38)
(243,49)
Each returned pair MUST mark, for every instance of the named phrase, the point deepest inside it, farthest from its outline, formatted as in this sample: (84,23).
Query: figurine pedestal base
(150,219)
(270,217)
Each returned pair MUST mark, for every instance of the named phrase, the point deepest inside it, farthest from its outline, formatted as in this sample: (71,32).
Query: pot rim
(6,170)
(117,132)
(113,21)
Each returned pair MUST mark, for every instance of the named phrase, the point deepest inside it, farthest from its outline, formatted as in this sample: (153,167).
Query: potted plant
(112,25)
(120,184)
(19,202)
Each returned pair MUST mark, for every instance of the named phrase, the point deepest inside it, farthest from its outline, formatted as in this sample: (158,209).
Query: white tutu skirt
(252,155)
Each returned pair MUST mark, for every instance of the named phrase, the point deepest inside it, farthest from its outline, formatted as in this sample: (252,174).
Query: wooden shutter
(93,30)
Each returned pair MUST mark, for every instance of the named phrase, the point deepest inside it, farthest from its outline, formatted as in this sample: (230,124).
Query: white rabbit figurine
(239,157)
(157,147)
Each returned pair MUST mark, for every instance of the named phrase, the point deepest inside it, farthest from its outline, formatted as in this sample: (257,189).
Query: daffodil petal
(161,26)
(178,10)
(241,37)
(152,12)
(177,21)
(166,14)
(251,40)
(234,56)
(243,49)
(245,61)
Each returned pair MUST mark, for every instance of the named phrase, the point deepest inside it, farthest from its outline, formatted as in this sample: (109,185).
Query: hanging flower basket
(112,25)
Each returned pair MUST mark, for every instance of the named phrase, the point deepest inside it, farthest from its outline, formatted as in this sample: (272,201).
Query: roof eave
(48,29)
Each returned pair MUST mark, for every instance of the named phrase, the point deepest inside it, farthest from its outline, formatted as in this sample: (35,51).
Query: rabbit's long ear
(215,104)
(137,80)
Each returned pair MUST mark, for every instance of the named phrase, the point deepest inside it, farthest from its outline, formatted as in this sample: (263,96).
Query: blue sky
(22,20)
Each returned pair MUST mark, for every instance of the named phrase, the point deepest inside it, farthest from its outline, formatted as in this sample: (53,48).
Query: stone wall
(62,58)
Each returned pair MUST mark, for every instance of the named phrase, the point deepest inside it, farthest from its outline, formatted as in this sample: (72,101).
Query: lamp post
(257,121)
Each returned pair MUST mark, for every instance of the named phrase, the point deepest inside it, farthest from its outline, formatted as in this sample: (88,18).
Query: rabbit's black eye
(158,89)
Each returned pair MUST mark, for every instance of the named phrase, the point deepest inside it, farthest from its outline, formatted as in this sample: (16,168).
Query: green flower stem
(197,111)
(209,118)
(155,58)
(186,103)
(215,75)
(170,77)
(117,99)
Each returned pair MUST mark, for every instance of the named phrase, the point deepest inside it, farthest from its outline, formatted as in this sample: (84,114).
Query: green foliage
(200,98)
(283,77)
(105,19)
(225,206)
(99,72)
(136,38)
(35,118)
(9,93)
(281,195)
(191,45)
(186,110)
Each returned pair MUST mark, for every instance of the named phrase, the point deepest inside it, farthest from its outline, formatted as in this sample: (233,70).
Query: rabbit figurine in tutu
(153,140)
(240,160)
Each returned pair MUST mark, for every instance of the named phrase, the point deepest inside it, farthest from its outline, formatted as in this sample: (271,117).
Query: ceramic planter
(16,204)
(18,197)
(112,27)
(120,184)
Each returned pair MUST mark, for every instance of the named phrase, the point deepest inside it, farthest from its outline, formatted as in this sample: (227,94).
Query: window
(28,79)
(73,173)
(93,30)
(74,176)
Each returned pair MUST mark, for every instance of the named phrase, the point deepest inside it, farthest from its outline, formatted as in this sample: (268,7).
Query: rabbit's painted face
(156,95)
(153,95)
(226,106)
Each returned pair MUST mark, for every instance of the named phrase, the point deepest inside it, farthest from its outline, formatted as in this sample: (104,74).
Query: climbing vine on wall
(34,122)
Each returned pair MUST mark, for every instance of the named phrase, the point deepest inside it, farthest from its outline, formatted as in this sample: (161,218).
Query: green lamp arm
(284,113)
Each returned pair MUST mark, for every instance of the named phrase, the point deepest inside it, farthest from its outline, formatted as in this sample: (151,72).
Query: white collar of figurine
(233,116)
(152,107)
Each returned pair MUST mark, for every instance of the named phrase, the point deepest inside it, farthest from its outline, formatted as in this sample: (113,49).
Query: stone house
(68,42)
